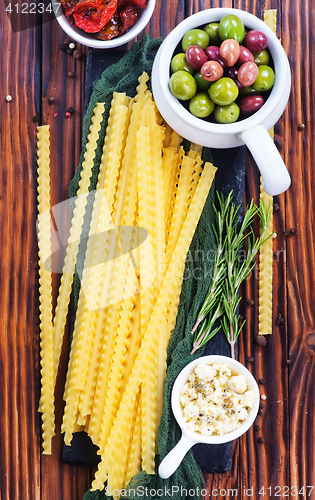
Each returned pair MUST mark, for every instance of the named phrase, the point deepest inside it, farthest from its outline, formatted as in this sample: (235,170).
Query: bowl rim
(181,380)
(86,39)
(282,70)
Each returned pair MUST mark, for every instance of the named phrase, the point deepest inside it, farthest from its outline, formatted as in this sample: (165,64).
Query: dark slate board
(230,176)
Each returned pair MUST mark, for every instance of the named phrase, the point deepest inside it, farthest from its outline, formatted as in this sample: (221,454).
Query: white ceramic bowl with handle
(252,131)
(173,459)
(89,40)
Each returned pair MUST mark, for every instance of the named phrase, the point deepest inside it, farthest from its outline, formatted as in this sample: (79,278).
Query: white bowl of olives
(261,78)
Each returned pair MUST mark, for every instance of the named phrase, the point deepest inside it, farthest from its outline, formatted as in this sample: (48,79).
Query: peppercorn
(250,302)
(35,118)
(70,52)
(293,230)
(301,126)
(51,100)
(279,320)
(63,47)
(287,232)
(257,428)
(261,340)
(70,74)
(261,406)
(70,110)
(261,440)
(288,361)
(261,412)
(262,381)
(276,207)
(77,54)
(250,359)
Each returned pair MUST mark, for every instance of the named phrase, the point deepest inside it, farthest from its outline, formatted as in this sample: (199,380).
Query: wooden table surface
(32,69)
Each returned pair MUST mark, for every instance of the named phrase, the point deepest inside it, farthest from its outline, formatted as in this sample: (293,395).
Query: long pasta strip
(134,452)
(157,322)
(45,288)
(172,193)
(266,251)
(181,203)
(74,238)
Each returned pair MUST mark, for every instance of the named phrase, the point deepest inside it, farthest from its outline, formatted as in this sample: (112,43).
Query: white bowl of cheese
(215,399)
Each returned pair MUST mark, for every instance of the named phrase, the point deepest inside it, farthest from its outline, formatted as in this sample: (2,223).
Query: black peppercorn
(293,231)
(262,381)
(63,47)
(77,54)
(261,406)
(70,110)
(257,428)
(250,359)
(35,118)
(51,100)
(287,232)
(261,412)
(261,340)
(261,440)
(288,361)
(250,302)
(276,207)
(70,74)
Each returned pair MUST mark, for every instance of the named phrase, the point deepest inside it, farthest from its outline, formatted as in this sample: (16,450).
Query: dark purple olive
(245,55)
(213,54)
(195,56)
(255,40)
(250,104)
(232,73)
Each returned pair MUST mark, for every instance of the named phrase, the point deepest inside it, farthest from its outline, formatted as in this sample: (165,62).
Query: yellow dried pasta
(75,233)
(45,288)
(266,251)
(155,326)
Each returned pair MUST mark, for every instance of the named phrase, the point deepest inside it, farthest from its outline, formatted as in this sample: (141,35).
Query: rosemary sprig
(229,272)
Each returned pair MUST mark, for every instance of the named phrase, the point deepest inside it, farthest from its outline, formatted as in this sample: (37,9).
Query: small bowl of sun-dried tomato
(103,23)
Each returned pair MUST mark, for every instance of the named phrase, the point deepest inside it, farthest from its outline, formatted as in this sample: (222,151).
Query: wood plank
(61,480)
(300,154)
(19,421)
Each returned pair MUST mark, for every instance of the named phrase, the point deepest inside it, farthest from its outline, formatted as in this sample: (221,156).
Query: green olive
(195,37)
(226,114)
(224,91)
(202,84)
(201,105)
(182,85)
(265,78)
(179,63)
(212,29)
(261,57)
(231,27)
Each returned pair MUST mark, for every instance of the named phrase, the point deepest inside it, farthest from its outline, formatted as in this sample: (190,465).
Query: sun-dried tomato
(92,16)
(141,3)
(111,29)
(128,16)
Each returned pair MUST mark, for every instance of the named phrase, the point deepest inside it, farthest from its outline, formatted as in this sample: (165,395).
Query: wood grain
(33,69)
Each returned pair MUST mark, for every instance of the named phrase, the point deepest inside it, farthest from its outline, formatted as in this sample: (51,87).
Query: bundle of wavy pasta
(75,233)
(149,198)
(45,288)
(266,251)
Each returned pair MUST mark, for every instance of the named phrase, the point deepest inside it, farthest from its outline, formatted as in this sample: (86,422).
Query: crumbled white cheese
(215,401)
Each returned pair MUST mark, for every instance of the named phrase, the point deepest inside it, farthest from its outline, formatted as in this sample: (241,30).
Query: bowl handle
(275,177)
(173,459)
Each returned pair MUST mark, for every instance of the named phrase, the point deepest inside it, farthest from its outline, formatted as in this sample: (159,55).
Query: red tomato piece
(141,3)
(92,18)
(128,16)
